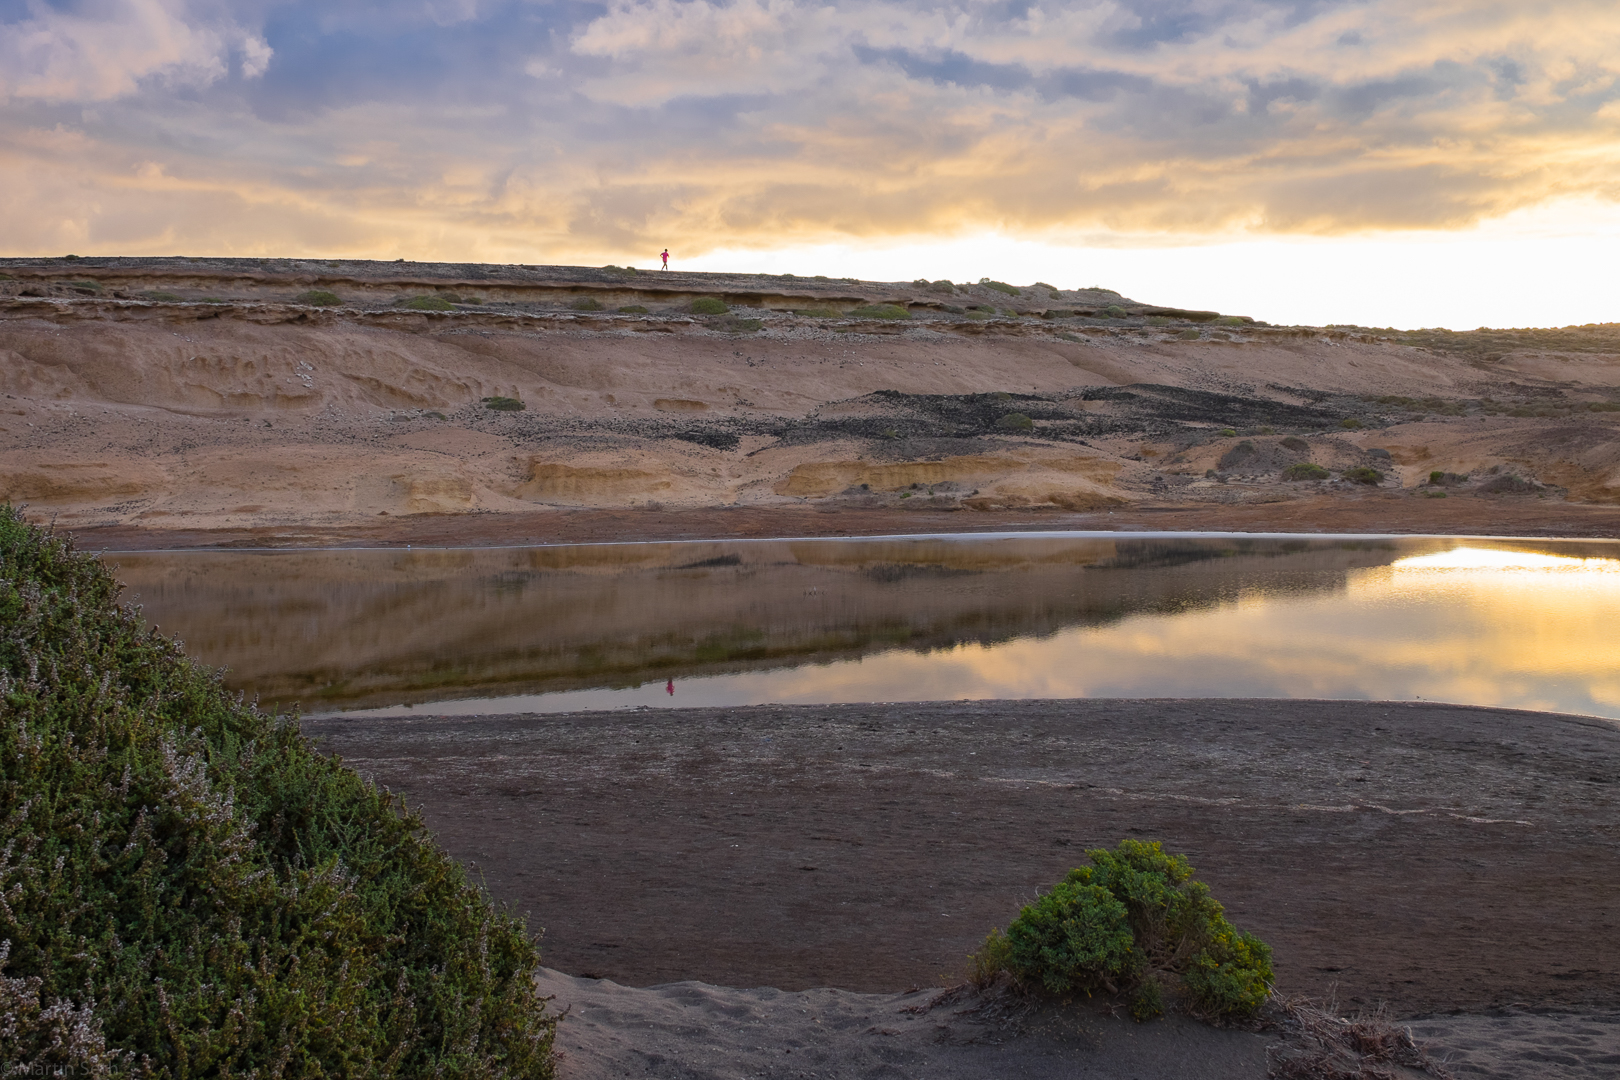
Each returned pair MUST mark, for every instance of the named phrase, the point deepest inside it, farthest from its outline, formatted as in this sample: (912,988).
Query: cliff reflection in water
(951,617)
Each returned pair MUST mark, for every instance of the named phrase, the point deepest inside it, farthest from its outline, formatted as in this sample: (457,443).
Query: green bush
(1350,423)
(1295,443)
(1305,470)
(1233,320)
(880,311)
(1363,474)
(1133,924)
(586,304)
(426,303)
(708,305)
(999,286)
(162,297)
(191,891)
(1015,421)
(1114,311)
(632,309)
(503,404)
(318,298)
(1191,334)
(1228,433)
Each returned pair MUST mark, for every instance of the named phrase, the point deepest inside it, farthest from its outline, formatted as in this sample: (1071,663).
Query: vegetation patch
(1015,421)
(816,313)
(426,303)
(586,303)
(503,404)
(633,309)
(880,311)
(1363,474)
(162,297)
(318,298)
(190,890)
(999,286)
(1295,443)
(1190,334)
(1114,311)
(1306,470)
(708,305)
(1135,925)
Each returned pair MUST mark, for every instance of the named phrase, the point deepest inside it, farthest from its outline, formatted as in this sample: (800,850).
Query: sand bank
(1434,859)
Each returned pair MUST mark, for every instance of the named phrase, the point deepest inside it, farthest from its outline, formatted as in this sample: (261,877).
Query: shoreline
(1472,517)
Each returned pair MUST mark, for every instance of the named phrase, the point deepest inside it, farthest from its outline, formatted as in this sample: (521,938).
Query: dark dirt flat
(1434,857)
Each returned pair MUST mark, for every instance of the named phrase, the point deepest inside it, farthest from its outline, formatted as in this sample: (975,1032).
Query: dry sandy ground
(1453,864)
(132,404)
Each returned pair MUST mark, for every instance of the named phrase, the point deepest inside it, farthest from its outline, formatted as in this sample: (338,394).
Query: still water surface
(1527,624)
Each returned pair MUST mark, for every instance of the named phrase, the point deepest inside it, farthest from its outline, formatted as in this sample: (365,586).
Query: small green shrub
(1158,320)
(1438,476)
(503,404)
(735,325)
(425,303)
(1350,423)
(1233,320)
(1363,474)
(1190,334)
(1602,406)
(708,305)
(1228,433)
(1305,470)
(1295,443)
(880,311)
(816,313)
(999,286)
(1134,923)
(586,304)
(1114,311)
(87,286)
(632,309)
(1015,421)
(318,298)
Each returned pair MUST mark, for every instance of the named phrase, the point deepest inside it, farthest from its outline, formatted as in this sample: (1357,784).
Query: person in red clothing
(665,257)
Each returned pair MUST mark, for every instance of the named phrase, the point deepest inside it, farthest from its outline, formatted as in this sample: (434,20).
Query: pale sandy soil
(259,417)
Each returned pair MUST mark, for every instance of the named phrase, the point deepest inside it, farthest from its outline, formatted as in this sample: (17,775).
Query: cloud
(584,129)
(101,50)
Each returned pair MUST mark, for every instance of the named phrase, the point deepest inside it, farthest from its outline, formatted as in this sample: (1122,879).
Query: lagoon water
(1527,624)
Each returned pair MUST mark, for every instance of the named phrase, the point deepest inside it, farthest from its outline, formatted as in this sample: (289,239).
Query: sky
(1382,162)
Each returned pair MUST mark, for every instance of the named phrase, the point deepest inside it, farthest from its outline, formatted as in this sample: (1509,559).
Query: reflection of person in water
(669,688)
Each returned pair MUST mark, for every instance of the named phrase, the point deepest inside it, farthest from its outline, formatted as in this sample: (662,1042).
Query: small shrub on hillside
(1305,470)
(586,303)
(732,324)
(999,286)
(1114,311)
(816,313)
(1296,444)
(1133,924)
(425,303)
(880,311)
(708,305)
(1363,474)
(318,298)
(632,309)
(1228,433)
(1233,320)
(189,890)
(1190,334)
(1350,423)
(1015,421)
(503,404)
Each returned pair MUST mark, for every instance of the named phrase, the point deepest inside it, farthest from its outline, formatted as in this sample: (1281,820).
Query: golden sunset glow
(936,140)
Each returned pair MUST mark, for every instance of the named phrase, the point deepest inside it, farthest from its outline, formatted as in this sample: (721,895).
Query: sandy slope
(171,413)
